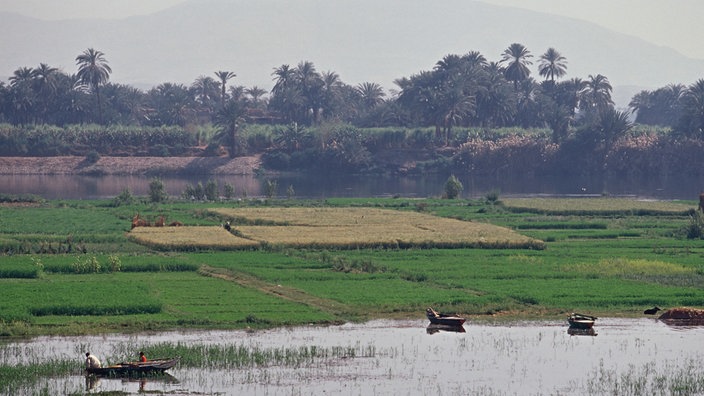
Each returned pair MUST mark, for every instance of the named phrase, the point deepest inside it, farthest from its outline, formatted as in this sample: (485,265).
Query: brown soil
(71,165)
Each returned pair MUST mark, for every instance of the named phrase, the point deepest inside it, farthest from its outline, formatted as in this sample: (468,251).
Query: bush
(125,198)
(157,191)
(211,190)
(453,187)
(695,228)
(92,157)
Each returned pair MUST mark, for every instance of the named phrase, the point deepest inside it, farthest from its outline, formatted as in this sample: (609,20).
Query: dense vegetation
(73,269)
(467,114)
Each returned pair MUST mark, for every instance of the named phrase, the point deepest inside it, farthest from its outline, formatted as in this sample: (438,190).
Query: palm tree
(255,93)
(691,122)
(552,64)
(229,119)
(206,90)
(595,98)
(516,59)
(21,75)
(94,71)
(371,93)
(224,76)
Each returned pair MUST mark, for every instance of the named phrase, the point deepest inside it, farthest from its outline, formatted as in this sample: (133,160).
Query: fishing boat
(443,319)
(581,321)
(150,367)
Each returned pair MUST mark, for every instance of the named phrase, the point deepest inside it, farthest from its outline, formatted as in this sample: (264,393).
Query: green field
(72,267)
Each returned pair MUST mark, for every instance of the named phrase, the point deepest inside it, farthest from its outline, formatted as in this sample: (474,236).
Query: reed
(240,356)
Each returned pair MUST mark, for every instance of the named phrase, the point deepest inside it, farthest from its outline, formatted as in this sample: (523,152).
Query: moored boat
(443,319)
(581,321)
(154,366)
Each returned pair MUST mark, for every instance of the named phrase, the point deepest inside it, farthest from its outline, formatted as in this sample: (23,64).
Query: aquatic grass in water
(237,356)
(15,377)
(673,378)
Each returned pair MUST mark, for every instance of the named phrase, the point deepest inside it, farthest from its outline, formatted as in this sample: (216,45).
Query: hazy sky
(673,23)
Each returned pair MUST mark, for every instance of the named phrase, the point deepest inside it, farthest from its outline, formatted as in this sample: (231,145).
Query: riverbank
(76,165)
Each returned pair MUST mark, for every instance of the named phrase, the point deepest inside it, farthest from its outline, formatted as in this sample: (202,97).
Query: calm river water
(626,356)
(320,187)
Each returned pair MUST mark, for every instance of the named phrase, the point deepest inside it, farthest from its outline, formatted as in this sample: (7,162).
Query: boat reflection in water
(573,331)
(93,381)
(435,328)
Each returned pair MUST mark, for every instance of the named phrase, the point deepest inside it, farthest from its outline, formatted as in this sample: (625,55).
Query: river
(321,187)
(624,356)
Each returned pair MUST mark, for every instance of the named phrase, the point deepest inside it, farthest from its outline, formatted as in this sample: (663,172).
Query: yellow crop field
(209,237)
(366,227)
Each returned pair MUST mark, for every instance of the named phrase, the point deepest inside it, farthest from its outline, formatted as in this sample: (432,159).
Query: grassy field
(73,267)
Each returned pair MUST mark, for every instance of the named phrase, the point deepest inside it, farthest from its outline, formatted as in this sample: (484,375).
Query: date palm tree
(229,120)
(44,79)
(595,98)
(516,57)
(372,94)
(21,75)
(552,64)
(256,94)
(691,122)
(94,71)
(224,77)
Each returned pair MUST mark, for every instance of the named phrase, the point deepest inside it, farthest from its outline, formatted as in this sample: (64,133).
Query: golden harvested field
(366,227)
(208,237)
(334,228)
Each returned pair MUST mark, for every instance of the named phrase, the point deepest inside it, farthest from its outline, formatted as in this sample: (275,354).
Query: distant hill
(361,40)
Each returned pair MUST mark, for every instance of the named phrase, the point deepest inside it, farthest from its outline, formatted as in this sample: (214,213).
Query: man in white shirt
(92,361)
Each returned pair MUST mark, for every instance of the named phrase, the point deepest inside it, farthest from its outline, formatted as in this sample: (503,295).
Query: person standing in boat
(142,358)
(92,361)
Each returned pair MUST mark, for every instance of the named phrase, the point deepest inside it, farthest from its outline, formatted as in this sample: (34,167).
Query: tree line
(460,92)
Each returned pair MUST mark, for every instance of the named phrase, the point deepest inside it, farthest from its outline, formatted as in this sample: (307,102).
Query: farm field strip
(599,204)
(205,237)
(364,226)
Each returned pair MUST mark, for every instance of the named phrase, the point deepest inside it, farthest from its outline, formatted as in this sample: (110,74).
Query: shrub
(211,190)
(695,228)
(453,187)
(270,188)
(125,198)
(92,157)
(228,191)
(157,191)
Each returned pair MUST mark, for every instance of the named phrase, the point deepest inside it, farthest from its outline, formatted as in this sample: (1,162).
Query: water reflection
(320,187)
(581,332)
(142,384)
(435,328)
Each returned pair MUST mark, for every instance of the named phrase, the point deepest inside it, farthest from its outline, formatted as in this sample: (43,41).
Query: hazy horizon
(674,24)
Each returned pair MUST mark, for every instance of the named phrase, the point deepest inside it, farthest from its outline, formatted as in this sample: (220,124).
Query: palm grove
(467,114)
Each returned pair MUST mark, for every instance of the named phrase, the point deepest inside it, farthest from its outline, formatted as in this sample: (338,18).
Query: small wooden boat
(581,321)
(150,367)
(443,319)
